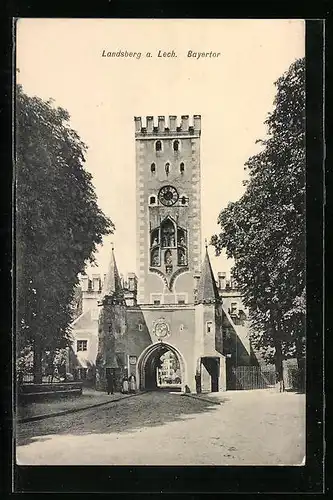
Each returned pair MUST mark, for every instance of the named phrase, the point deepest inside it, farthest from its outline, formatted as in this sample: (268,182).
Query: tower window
(182,168)
(152,200)
(156,299)
(153,168)
(140,327)
(184,200)
(82,345)
(209,326)
(167,168)
(233,309)
(176,145)
(181,300)
(158,146)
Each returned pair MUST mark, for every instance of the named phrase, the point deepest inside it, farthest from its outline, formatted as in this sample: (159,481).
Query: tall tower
(168,203)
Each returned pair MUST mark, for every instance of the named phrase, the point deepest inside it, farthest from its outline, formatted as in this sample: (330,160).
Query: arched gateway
(148,363)
(175,296)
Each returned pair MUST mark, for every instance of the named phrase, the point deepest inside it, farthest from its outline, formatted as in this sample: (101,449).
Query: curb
(74,410)
(202,399)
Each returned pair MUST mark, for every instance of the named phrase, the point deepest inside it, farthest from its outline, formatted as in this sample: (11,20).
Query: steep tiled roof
(84,321)
(207,290)
(112,284)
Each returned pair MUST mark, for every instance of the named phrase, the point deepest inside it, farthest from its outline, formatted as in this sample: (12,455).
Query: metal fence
(259,377)
(254,377)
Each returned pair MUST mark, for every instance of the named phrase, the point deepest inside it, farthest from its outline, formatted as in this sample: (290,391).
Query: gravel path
(158,428)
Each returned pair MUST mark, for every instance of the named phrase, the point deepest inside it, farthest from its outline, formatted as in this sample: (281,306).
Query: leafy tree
(58,224)
(264,231)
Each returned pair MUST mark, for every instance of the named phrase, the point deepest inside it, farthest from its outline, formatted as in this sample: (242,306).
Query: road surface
(160,428)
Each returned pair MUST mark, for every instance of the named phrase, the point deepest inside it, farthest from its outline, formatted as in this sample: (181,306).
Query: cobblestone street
(160,428)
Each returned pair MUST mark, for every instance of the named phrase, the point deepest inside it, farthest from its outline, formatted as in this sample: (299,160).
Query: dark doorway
(212,365)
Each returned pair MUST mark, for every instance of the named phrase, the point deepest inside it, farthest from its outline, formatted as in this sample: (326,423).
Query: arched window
(158,146)
(167,168)
(182,168)
(153,168)
(152,200)
(168,233)
(176,145)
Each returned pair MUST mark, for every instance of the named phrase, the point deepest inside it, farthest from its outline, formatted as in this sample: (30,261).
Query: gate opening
(161,367)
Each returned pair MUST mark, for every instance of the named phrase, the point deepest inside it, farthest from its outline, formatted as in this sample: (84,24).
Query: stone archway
(147,365)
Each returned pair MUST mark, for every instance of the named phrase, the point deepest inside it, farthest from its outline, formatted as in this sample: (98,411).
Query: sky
(233,92)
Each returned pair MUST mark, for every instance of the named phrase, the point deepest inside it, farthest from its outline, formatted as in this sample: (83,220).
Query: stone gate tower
(168,209)
(173,304)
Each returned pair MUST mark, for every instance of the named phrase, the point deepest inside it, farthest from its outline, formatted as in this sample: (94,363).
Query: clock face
(168,195)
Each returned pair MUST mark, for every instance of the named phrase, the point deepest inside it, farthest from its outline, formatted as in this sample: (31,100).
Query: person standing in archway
(125,385)
(198,383)
(109,382)
(132,383)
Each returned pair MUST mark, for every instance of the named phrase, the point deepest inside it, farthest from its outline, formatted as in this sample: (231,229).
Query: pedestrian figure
(198,383)
(110,382)
(132,383)
(125,385)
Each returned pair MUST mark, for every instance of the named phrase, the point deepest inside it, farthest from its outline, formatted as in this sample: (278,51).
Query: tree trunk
(37,361)
(279,364)
(300,365)
(275,325)
(298,326)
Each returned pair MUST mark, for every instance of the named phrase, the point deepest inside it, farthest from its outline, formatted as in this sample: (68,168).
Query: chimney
(161,123)
(184,123)
(173,123)
(197,123)
(222,280)
(138,125)
(150,124)
(95,282)
(132,282)
(84,283)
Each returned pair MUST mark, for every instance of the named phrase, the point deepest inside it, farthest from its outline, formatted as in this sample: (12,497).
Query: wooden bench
(33,390)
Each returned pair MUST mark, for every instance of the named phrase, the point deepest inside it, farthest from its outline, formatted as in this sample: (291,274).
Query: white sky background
(61,58)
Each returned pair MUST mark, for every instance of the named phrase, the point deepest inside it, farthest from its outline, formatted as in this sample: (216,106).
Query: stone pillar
(172,123)
(138,124)
(197,123)
(184,123)
(161,123)
(150,124)
(223,374)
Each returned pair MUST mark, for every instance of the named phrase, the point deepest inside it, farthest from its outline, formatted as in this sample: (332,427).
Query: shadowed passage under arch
(150,365)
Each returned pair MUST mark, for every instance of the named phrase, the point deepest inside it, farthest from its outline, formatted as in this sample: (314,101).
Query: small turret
(112,286)
(207,290)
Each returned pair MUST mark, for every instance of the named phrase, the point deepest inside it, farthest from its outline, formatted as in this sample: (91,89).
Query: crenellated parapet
(151,126)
